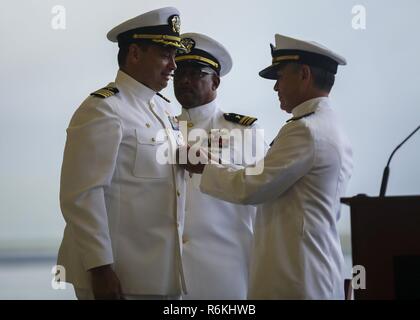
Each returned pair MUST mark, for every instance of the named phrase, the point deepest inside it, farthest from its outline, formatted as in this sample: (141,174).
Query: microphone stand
(386,170)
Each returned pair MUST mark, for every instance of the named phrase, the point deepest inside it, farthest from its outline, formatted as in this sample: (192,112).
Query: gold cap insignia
(176,23)
(188,43)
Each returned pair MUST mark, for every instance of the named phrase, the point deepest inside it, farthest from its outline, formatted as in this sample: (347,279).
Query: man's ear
(216,82)
(134,53)
(305,72)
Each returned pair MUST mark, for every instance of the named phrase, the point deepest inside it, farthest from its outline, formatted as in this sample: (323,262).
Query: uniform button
(153,139)
(148,125)
(190,124)
(185,239)
(178,193)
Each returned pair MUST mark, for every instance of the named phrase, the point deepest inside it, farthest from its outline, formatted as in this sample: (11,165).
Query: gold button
(185,239)
(178,193)
(148,125)
(190,124)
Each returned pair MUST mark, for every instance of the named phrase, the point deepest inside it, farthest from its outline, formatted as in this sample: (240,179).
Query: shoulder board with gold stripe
(238,118)
(301,117)
(105,92)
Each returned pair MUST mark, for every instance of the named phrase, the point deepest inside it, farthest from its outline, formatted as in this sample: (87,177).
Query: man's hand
(105,283)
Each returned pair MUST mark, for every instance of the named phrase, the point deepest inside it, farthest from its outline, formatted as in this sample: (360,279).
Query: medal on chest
(174,123)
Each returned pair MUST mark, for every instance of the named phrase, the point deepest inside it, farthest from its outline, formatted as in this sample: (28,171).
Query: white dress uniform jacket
(297,252)
(218,234)
(120,205)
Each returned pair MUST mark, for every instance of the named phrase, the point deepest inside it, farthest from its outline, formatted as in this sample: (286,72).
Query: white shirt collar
(310,106)
(134,87)
(200,113)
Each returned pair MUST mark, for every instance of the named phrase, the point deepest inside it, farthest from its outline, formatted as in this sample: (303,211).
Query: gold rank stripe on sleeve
(105,92)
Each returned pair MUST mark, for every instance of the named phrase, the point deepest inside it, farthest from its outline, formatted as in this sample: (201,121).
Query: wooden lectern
(385,236)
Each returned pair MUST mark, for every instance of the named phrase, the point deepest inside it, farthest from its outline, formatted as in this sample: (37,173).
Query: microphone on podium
(386,170)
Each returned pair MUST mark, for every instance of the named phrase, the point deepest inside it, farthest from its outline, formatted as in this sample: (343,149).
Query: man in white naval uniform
(297,253)
(218,235)
(124,210)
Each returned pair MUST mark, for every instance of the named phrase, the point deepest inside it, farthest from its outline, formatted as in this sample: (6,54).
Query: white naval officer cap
(160,26)
(202,49)
(306,52)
